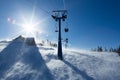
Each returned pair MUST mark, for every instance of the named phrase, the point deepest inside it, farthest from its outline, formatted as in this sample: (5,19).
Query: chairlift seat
(66,29)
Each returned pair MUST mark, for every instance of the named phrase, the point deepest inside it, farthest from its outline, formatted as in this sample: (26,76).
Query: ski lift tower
(59,15)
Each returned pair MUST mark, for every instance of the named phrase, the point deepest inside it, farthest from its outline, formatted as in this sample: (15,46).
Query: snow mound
(3,44)
(19,61)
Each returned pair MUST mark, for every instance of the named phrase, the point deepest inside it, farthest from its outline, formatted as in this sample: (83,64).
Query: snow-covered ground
(19,61)
(3,44)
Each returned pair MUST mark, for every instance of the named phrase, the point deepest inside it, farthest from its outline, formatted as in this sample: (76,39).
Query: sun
(28,28)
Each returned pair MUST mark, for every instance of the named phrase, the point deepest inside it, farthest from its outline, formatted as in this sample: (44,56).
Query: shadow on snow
(82,73)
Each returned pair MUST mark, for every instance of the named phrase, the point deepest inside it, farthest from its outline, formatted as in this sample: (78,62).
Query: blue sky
(91,22)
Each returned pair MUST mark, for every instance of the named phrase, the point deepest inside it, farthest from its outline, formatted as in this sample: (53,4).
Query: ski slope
(19,61)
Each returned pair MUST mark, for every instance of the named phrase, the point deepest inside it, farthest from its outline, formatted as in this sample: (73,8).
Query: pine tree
(100,49)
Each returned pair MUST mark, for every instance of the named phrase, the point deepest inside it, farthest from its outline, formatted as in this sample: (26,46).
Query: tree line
(101,49)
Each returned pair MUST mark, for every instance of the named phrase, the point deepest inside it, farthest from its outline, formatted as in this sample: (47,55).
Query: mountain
(22,59)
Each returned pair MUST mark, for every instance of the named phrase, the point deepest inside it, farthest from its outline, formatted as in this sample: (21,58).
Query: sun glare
(31,27)
(28,28)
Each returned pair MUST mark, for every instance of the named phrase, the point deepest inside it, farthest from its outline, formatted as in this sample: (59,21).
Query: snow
(19,61)
(3,44)
(28,41)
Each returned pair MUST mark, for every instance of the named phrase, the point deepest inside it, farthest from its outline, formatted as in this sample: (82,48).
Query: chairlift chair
(66,29)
